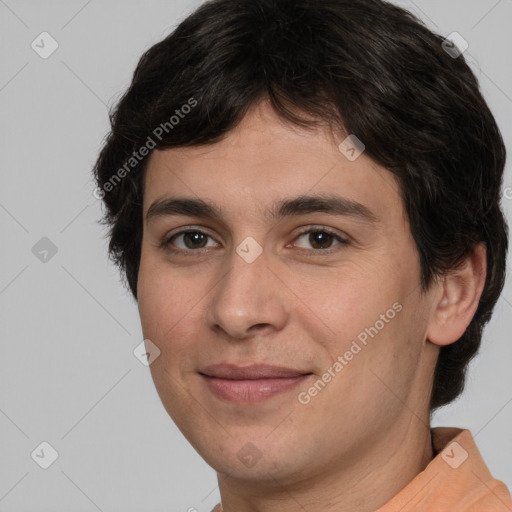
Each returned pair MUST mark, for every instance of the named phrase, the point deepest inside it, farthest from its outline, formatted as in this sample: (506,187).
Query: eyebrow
(296,206)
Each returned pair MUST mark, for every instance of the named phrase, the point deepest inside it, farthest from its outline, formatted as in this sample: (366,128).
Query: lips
(255,371)
(250,384)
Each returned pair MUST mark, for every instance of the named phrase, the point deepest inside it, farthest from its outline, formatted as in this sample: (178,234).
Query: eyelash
(166,242)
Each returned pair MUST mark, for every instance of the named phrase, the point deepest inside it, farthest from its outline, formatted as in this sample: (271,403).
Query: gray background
(68,328)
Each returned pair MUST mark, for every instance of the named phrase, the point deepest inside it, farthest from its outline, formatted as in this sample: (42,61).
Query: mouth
(250,384)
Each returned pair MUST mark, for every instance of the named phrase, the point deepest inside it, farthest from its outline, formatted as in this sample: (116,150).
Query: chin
(249,458)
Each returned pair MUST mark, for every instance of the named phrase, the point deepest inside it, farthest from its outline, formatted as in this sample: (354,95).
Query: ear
(458,298)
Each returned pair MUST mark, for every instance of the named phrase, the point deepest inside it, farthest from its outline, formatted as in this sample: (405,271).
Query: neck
(385,467)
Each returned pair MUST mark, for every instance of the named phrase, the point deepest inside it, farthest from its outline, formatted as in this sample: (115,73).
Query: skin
(365,435)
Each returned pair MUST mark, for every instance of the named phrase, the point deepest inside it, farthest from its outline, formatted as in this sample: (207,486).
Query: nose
(248,299)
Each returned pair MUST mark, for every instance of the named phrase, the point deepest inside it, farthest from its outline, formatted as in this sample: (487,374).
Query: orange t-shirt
(456,480)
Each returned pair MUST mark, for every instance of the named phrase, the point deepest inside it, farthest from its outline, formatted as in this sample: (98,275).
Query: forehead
(265,159)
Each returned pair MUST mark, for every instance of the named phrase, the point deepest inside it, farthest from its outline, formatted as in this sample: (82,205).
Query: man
(304,199)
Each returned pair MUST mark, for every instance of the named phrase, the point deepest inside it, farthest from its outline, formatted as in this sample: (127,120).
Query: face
(328,291)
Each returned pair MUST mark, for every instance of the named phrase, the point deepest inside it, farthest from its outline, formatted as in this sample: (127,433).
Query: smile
(251,390)
(251,383)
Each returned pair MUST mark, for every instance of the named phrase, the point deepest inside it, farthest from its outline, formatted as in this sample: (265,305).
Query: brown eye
(321,239)
(194,239)
(187,241)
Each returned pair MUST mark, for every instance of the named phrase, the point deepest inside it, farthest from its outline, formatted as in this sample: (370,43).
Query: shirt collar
(456,480)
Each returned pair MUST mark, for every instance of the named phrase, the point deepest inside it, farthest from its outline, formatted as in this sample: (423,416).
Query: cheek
(362,325)
(167,320)
(164,304)
(346,302)
(163,295)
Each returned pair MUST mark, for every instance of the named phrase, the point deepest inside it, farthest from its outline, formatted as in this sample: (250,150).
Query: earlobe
(458,298)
